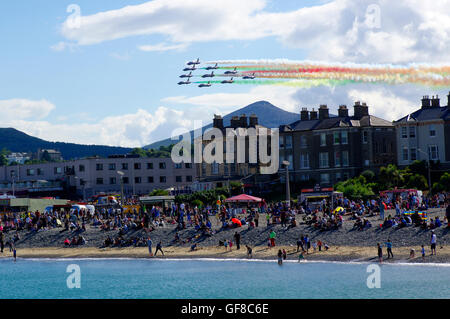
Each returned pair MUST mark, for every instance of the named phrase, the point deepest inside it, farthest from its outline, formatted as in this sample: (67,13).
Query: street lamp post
(121,187)
(288,191)
(429,170)
(13,176)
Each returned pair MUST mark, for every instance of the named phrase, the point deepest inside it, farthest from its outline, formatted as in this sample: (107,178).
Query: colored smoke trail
(277,72)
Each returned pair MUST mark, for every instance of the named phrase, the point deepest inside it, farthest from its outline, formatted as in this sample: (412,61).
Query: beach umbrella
(339,210)
(236,221)
(244,198)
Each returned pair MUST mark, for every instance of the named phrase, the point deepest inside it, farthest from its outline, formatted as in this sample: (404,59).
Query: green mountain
(17,141)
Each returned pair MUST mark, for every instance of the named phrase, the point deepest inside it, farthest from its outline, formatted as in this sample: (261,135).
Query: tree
(417,181)
(368,175)
(356,188)
(159,192)
(390,177)
(3,160)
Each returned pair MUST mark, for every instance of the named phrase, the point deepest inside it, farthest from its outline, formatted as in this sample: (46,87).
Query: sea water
(205,279)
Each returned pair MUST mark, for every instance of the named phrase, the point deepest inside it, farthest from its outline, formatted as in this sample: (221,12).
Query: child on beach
(226,245)
(230,244)
(380,253)
(280,257)
(300,256)
(249,251)
(284,254)
(411,254)
(423,252)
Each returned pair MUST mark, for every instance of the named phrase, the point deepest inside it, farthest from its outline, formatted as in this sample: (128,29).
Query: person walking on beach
(423,252)
(14,253)
(380,253)
(284,254)
(389,249)
(249,251)
(237,239)
(2,241)
(433,243)
(159,248)
(149,244)
(272,236)
(280,257)
(300,244)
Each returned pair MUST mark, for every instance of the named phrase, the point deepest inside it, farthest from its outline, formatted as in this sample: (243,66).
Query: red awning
(243,198)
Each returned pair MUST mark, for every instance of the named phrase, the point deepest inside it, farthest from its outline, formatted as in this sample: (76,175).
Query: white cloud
(340,30)
(162,47)
(24,109)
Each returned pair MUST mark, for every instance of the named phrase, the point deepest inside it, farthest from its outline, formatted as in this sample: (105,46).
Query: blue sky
(95,84)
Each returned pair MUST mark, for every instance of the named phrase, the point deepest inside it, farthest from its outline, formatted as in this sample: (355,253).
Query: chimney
(304,114)
(243,121)
(361,110)
(426,102)
(313,115)
(253,120)
(235,122)
(435,102)
(323,112)
(343,111)
(218,121)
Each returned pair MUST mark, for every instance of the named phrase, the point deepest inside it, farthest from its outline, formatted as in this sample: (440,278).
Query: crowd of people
(326,217)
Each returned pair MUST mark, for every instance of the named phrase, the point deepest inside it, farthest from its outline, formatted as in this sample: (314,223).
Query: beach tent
(243,198)
(237,222)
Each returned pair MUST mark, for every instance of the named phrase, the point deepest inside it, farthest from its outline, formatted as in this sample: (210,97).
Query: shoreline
(335,254)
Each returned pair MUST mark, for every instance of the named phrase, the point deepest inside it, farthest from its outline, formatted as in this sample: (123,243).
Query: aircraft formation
(192,66)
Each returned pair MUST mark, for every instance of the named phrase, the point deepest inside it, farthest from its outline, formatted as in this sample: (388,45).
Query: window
(30,172)
(433,152)
(162,179)
(112,181)
(58,170)
(323,139)
(126,180)
(40,172)
(99,181)
(413,152)
(366,162)
(162,165)
(336,138)
(150,180)
(432,130)
(215,168)
(178,166)
(137,180)
(345,158)
(344,137)
(189,179)
(303,141)
(188,165)
(125,166)
(137,165)
(337,159)
(149,165)
(304,161)
(412,131)
(338,177)
(304,177)
(112,167)
(81,168)
(325,178)
(323,159)
(288,141)
(365,137)
(179,179)
(404,132)
(99,167)
(281,142)
(405,154)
